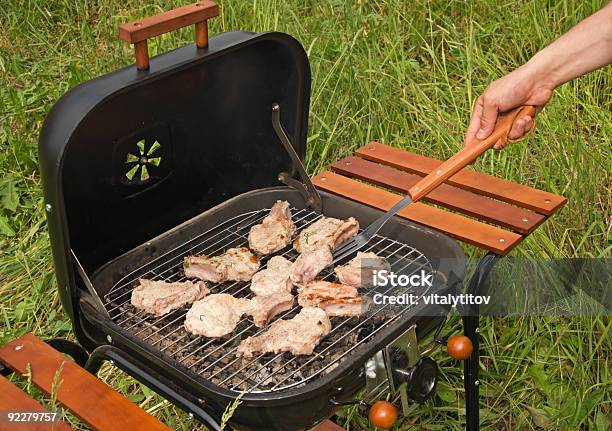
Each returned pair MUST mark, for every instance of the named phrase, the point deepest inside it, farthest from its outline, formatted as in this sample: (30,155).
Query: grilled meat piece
(346,307)
(274,279)
(336,299)
(274,232)
(348,229)
(216,315)
(363,264)
(263,308)
(299,335)
(327,231)
(235,264)
(309,264)
(160,297)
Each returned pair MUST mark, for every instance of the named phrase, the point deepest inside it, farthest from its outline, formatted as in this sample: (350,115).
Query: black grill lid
(132,154)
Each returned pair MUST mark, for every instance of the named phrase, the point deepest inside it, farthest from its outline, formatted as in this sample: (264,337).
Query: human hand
(520,87)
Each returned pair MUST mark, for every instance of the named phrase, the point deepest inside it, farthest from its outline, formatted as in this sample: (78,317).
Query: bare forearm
(584,48)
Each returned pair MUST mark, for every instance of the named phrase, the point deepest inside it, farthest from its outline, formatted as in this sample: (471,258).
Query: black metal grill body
(199,121)
(304,405)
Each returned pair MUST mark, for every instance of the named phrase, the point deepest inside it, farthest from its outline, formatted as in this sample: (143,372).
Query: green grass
(401,72)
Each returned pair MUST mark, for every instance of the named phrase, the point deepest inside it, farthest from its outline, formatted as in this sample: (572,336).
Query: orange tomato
(383,414)
(460,347)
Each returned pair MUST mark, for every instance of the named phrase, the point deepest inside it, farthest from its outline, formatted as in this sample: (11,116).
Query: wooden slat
(13,399)
(468,230)
(329,426)
(477,182)
(95,403)
(482,207)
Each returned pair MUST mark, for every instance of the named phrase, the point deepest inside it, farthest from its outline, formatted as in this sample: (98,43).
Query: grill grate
(215,359)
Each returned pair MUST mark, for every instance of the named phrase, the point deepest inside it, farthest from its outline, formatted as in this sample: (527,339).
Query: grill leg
(471,330)
(470,382)
(95,361)
(168,390)
(76,351)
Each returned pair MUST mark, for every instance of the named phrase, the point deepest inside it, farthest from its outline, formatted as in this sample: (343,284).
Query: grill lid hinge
(305,186)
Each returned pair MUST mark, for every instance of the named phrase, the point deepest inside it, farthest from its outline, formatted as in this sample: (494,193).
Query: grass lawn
(402,72)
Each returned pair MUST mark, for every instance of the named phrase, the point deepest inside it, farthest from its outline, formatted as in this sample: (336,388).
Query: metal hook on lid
(305,186)
(89,285)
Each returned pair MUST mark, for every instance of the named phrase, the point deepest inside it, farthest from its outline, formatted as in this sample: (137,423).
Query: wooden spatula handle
(469,153)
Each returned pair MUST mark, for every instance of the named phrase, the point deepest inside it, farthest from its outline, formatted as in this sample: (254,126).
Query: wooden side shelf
(479,209)
(94,402)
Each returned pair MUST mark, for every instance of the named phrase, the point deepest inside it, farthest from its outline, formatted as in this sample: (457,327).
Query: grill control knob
(420,380)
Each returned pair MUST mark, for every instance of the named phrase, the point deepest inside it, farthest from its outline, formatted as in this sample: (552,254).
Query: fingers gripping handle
(137,32)
(469,153)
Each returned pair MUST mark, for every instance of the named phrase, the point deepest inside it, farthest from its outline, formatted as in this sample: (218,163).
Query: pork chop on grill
(299,335)
(262,308)
(336,299)
(327,231)
(160,297)
(216,315)
(364,264)
(274,279)
(274,232)
(309,264)
(236,264)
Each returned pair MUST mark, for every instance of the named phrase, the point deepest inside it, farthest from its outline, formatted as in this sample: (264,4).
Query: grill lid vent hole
(137,163)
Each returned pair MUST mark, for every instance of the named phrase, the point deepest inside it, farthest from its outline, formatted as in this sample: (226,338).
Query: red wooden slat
(482,207)
(13,399)
(476,182)
(328,426)
(97,404)
(468,230)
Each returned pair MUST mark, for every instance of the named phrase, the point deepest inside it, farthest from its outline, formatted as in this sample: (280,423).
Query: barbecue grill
(180,155)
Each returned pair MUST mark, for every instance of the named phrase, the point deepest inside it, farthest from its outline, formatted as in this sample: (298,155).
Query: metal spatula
(447,169)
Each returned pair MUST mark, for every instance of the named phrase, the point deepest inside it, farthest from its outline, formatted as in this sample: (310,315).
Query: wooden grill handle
(137,32)
(469,153)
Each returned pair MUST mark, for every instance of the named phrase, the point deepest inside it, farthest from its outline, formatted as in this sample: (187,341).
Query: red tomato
(383,414)
(460,347)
